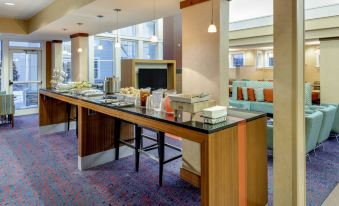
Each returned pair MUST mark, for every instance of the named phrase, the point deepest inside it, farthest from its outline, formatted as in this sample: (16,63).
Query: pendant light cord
(212,12)
(154,17)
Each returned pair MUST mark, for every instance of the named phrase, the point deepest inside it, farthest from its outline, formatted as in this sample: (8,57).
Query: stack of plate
(214,115)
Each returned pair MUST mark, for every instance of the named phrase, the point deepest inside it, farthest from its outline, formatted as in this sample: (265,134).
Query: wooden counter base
(233,160)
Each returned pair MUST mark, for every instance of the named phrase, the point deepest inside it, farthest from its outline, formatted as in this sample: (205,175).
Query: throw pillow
(259,94)
(244,93)
(250,93)
(239,94)
(268,95)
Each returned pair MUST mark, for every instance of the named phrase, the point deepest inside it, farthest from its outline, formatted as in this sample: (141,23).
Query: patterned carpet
(42,170)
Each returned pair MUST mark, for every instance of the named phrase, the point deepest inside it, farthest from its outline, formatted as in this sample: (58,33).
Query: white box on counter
(215,112)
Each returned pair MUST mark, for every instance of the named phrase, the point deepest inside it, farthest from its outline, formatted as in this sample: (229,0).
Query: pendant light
(212,28)
(154,37)
(117,43)
(79,49)
(100,47)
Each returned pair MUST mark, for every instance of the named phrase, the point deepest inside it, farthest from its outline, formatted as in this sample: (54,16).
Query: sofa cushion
(244,93)
(235,85)
(259,94)
(268,95)
(251,95)
(239,93)
(240,104)
(264,107)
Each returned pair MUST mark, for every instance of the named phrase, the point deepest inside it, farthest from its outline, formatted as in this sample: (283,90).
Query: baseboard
(100,158)
(190,177)
(54,128)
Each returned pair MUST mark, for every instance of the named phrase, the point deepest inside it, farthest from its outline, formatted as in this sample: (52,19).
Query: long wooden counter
(233,154)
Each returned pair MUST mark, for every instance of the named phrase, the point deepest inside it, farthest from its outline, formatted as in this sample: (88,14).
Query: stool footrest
(173,158)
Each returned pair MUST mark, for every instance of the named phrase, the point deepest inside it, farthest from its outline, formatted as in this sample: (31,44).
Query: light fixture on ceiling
(80,50)
(117,42)
(154,37)
(64,51)
(9,4)
(100,47)
(212,28)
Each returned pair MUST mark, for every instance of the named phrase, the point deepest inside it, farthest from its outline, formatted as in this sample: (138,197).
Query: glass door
(25,80)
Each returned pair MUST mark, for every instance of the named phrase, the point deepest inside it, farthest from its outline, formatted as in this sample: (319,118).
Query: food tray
(187,99)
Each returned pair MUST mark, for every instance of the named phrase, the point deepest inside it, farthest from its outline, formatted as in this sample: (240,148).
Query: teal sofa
(329,113)
(265,107)
(313,123)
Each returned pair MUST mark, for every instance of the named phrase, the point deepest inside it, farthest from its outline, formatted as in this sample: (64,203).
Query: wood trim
(149,123)
(188,3)
(79,35)
(329,38)
(190,177)
(48,64)
(57,41)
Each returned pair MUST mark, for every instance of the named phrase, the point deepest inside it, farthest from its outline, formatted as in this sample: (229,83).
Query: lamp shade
(154,39)
(212,28)
(117,45)
(100,47)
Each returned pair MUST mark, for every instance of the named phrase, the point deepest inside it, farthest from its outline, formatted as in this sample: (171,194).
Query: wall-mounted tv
(153,78)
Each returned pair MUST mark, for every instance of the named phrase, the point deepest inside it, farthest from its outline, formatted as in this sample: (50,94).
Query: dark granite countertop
(184,120)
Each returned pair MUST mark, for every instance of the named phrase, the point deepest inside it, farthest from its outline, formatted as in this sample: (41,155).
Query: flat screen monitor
(153,78)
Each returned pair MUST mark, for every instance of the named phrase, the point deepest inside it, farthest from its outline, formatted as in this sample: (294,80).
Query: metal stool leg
(161,137)
(69,116)
(138,137)
(76,120)
(117,126)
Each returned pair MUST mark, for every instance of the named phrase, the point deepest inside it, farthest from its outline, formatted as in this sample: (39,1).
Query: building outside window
(128,49)
(147,29)
(269,59)
(265,59)
(150,50)
(104,65)
(237,60)
(67,59)
(130,31)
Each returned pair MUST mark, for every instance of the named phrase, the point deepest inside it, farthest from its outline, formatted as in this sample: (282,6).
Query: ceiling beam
(188,3)
(13,26)
(55,11)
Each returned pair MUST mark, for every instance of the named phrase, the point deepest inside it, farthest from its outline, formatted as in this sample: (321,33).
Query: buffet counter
(232,153)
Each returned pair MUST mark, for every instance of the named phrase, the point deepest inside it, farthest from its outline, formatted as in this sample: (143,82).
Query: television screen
(153,78)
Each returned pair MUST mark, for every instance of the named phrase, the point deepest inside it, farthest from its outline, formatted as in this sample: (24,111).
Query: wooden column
(289,127)
(329,72)
(80,59)
(204,55)
(48,64)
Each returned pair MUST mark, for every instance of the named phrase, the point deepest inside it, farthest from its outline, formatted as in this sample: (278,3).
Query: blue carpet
(42,170)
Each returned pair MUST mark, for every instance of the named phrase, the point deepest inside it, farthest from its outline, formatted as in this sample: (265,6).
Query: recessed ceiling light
(9,4)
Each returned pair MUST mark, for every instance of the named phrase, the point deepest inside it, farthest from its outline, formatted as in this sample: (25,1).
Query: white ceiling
(133,12)
(23,9)
(248,9)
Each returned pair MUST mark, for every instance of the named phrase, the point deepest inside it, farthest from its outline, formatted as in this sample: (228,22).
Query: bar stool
(139,148)
(69,117)
(160,145)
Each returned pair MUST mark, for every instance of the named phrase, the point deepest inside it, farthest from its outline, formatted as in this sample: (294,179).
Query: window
(24,44)
(317,58)
(128,49)
(103,60)
(269,60)
(237,60)
(130,31)
(147,29)
(265,59)
(67,60)
(150,50)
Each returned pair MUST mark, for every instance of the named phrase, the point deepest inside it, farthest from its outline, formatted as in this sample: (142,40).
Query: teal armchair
(7,107)
(329,113)
(313,122)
